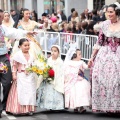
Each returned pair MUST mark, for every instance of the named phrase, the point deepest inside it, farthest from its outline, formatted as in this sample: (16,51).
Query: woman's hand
(32,33)
(90,62)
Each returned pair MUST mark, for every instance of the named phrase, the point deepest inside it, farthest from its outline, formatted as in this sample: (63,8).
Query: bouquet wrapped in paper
(3,68)
(40,67)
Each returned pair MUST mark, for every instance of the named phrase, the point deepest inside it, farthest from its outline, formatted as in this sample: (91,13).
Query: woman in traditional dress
(29,25)
(106,67)
(8,22)
(22,95)
(50,94)
(77,88)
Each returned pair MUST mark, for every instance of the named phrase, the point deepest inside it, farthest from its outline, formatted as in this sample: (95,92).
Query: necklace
(114,22)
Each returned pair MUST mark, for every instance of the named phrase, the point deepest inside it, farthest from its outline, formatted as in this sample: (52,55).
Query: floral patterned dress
(106,71)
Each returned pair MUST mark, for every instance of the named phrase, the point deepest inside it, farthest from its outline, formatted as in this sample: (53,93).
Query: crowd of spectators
(75,23)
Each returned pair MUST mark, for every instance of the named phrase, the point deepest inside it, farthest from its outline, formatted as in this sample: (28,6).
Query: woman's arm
(94,53)
(43,26)
(13,33)
(96,47)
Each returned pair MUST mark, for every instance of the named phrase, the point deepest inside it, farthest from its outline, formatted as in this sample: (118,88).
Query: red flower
(51,73)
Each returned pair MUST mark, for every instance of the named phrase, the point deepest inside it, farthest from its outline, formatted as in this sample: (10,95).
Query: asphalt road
(62,115)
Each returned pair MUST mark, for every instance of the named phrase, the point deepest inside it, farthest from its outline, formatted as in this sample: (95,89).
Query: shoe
(76,110)
(31,113)
(82,110)
(0,115)
(8,113)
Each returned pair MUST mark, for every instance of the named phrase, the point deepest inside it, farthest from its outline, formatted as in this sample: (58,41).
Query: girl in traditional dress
(77,88)
(50,94)
(22,96)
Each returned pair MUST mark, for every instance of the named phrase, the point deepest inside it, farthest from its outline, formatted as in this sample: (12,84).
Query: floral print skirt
(106,80)
(49,98)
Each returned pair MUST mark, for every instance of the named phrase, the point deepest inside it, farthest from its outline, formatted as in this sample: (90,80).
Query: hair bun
(117,11)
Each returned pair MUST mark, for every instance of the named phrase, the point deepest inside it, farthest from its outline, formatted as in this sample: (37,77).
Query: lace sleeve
(99,41)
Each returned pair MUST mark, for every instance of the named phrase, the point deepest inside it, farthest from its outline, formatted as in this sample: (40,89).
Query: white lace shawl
(107,32)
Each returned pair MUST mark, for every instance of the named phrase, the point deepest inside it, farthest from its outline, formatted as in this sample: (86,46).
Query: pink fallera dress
(77,88)
(22,95)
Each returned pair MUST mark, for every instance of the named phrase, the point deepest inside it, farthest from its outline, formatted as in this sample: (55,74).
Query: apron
(26,83)
(26,88)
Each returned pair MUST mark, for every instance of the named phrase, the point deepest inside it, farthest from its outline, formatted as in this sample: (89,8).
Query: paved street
(62,115)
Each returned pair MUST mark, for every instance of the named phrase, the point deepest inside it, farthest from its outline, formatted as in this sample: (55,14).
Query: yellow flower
(37,71)
(41,60)
(40,72)
(45,70)
(45,64)
(34,69)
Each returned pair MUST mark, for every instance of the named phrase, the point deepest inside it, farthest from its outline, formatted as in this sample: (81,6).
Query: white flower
(39,64)
(49,79)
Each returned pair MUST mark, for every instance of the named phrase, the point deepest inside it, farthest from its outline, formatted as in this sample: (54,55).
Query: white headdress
(118,5)
(11,19)
(71,51)
(57,46)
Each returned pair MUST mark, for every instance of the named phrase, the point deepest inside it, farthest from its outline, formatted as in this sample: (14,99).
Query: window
(3,4)
(52,6)
(98,4)
(17,4)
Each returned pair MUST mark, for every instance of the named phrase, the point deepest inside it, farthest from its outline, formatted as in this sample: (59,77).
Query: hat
(54,19)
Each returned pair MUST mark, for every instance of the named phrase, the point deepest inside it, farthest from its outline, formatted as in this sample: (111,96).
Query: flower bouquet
(3,68)
(40,67)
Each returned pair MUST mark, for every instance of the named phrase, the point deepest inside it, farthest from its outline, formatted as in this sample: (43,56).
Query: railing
(65,40)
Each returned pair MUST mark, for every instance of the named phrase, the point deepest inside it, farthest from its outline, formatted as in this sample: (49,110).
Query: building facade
(50,6)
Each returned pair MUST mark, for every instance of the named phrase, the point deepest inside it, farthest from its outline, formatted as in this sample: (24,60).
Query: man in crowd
(15,16)
(69,18)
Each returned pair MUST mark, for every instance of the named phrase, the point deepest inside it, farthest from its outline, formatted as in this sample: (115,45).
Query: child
(22,96)
(50,94)
(77,88)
